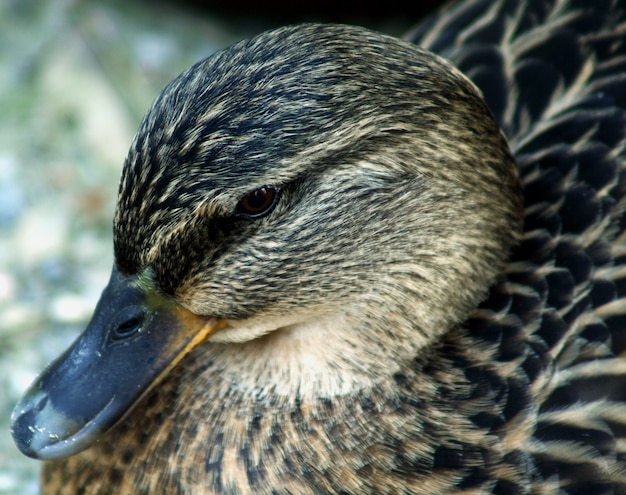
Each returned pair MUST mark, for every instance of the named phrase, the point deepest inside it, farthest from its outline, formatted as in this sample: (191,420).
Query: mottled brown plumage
(378,334)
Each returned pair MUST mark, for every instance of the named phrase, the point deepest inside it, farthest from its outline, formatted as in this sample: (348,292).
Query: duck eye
(258,203)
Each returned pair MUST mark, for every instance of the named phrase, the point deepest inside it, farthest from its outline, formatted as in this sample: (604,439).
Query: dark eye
(258,203)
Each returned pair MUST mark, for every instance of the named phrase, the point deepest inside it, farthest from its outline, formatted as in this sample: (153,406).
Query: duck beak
(135,337)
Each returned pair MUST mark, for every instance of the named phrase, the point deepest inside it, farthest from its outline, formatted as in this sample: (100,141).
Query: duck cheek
(134,339)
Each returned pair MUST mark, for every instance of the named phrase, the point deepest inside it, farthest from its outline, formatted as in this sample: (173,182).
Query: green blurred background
(75,79)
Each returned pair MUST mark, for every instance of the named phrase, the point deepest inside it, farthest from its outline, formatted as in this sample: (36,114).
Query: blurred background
(76,78)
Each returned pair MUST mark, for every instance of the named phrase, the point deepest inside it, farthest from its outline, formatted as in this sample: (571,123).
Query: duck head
(343,189)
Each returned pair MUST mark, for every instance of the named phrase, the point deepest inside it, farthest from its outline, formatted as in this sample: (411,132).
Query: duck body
(345,204)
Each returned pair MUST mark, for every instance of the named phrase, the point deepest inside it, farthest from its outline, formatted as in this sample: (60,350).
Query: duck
(351,263)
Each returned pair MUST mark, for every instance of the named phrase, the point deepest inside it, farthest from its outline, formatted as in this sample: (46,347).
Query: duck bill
(136,336)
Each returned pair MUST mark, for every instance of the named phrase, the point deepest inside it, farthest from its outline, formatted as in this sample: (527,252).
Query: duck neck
(394,424)
(333,355)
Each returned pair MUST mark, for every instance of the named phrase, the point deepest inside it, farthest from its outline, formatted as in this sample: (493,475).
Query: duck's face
(315,172)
